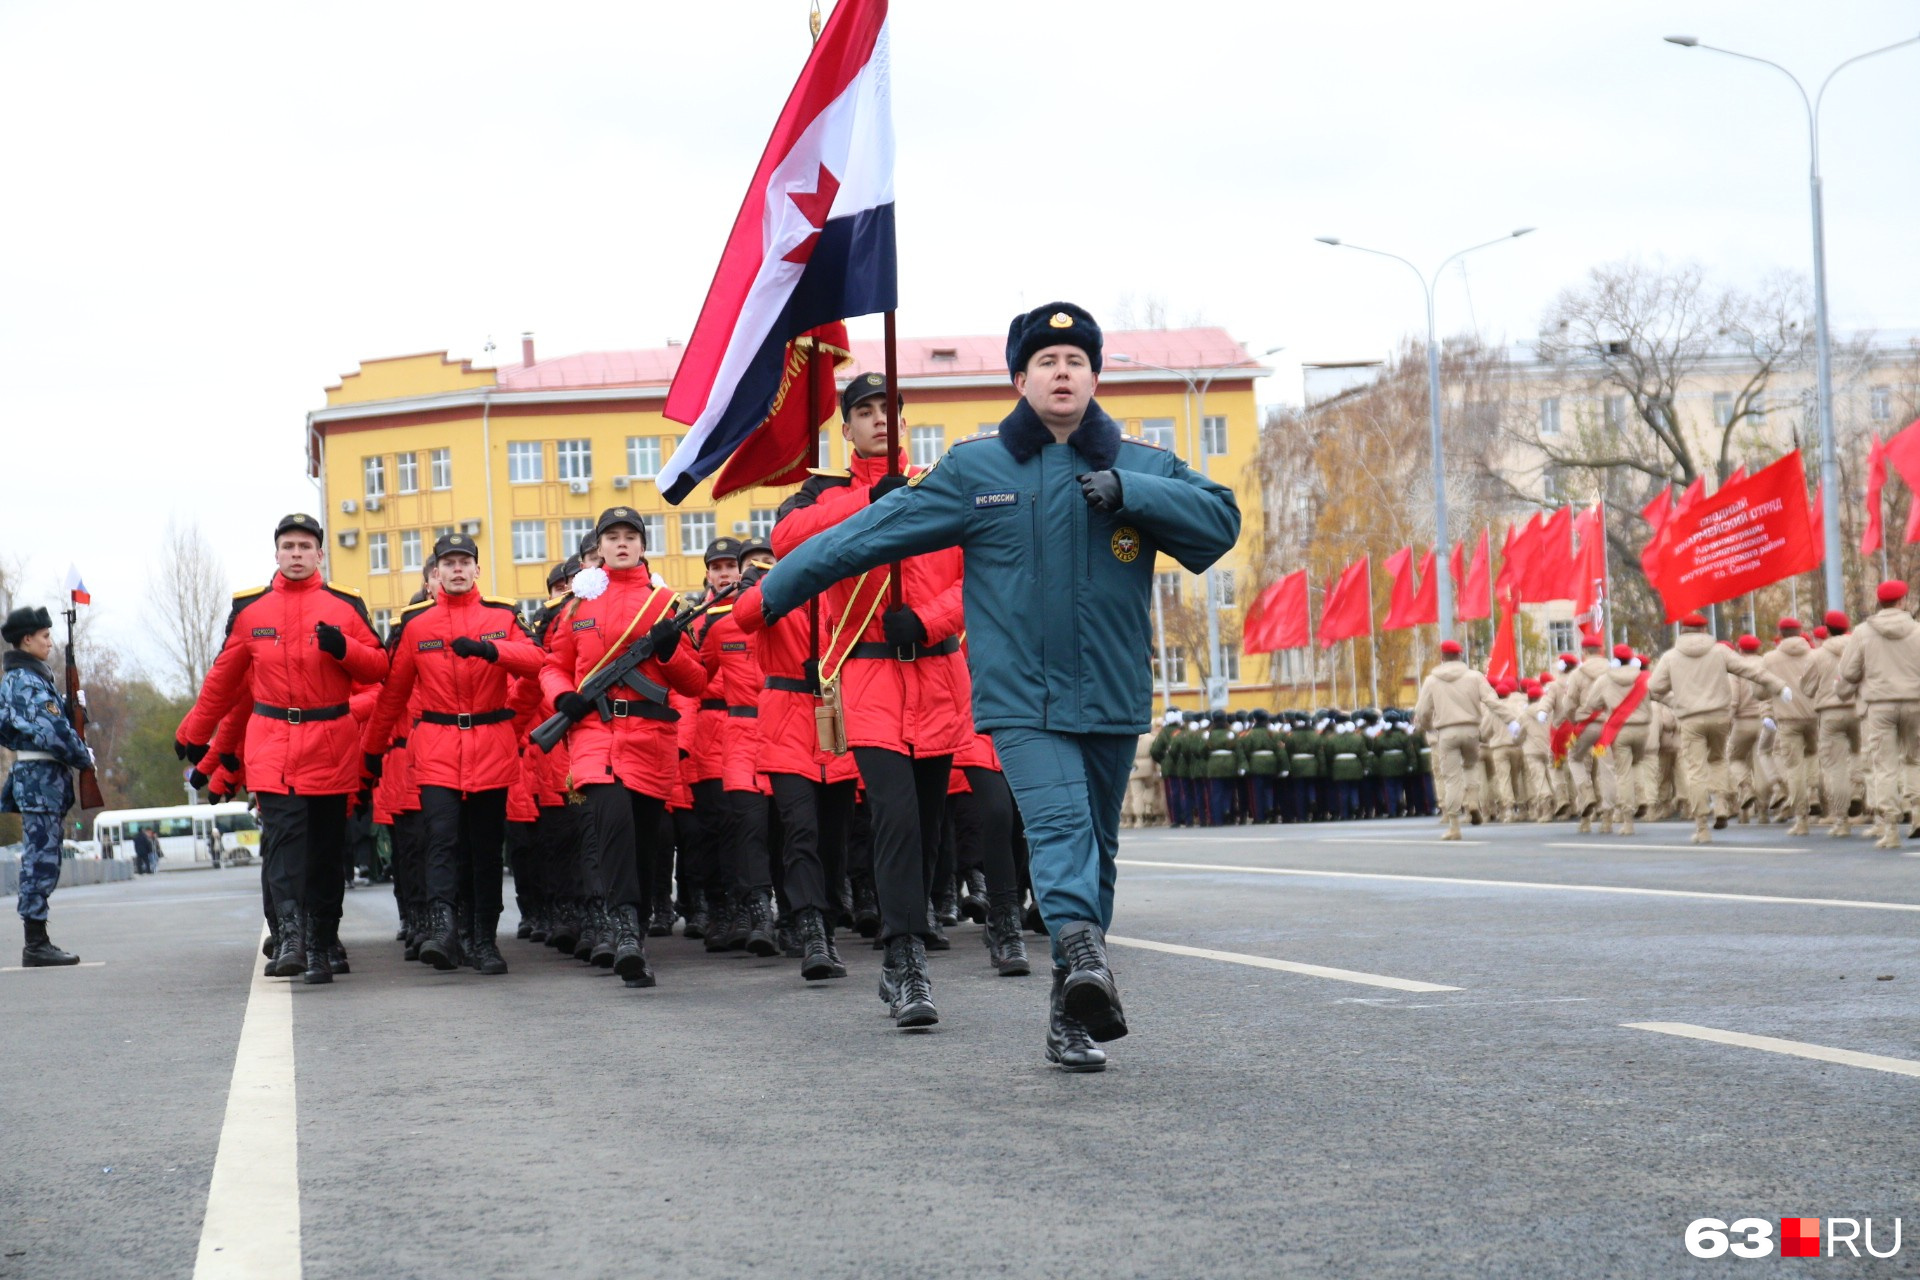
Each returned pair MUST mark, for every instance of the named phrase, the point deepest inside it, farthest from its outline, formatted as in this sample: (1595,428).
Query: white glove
(92,762)
(1786,694)
(1768,722)
(1513,728)
(1541,716)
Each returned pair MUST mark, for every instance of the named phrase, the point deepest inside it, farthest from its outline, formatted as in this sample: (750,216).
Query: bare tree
(189,596)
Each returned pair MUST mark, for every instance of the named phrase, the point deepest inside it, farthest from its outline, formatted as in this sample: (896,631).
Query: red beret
(1504,688)
(1892,591)
(1789,624)
(1821,633)
(1836,621)
(1749,644)
(1546,678)
(1592,642)
(1693,620)
(1532,687)
(1450,647)
(1623,652)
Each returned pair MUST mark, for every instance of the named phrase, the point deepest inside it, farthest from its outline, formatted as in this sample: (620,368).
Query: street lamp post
(1440,539)
(1829,458)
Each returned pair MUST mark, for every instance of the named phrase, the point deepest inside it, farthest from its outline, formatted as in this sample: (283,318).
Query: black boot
(815,963)
(719,920)
(541,922)
(1006,949)
(271,948)
(946,904)
(40,953)
(1091,997)
(318,972)
(525,930)
(463,917)
(973,897)
(759,920)
(605,926)
(696,917)
(589,935)
(1030,919)
(629,950)
(788,937)
(336,952)
(663,914)
(564,934)
(905,985)
(441,947)
(290,961)
(833,957)
(935,937)
(486,944)
(1069,1047)
(866,907)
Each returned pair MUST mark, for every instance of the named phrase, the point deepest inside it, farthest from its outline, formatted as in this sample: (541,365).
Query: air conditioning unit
(741,526)
(470,527)
(349,537)
(373,504)
(577,486)
(348,506)
(621,482)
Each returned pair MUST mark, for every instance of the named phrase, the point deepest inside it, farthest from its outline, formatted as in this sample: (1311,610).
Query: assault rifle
(622,670)
(89,781)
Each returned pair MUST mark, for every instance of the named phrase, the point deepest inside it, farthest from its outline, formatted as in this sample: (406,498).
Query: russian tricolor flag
(813,243)
(76,587)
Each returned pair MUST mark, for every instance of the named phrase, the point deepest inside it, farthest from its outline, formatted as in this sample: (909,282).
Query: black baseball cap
(725,549)
(611,517)
(299,522)
(864,387)
(756,547)
(452,542)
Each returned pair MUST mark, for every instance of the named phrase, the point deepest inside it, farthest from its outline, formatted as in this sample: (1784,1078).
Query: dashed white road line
(252,1227)
(1284,966)
(1770,899)
(1436,841)
(1629,843)
(49,968)
(1793,1048)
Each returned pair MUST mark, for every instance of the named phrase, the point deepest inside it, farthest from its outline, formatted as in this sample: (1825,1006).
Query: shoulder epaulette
(352,597)
(415,607)
(830,473)
(978,435)
(339,590)
(241,599)
(1142,440)
(407,614)
(252,591)
(500,602)
(558,600)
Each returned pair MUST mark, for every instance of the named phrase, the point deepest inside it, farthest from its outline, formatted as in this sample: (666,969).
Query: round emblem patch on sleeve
(1125,544)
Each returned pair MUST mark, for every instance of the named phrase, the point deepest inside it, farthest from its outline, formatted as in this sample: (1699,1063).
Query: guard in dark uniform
(34,726)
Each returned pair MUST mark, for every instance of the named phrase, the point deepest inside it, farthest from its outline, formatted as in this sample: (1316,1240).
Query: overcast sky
(213,211)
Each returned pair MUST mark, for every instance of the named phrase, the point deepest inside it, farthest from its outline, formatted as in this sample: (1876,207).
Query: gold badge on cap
(302,517)
(622,511)
(1060,320)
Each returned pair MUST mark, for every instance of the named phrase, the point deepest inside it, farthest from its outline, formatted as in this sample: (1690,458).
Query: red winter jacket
(270,658)
(703,726)
(636,750)
(727,651)
(482,756)
(789,735)
(925,706)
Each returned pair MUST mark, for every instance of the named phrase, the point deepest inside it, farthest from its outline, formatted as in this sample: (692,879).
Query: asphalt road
(1463,1095)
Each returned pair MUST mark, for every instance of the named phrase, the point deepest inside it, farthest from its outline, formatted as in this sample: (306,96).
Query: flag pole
(893,430)
(1373,646)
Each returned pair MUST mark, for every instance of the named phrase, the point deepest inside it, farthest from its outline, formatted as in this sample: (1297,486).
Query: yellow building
(525,456)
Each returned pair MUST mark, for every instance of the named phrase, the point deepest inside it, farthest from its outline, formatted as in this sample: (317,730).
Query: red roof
(971,356)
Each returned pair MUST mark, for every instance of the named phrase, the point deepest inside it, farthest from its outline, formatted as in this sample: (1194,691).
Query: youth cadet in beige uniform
(1691,678)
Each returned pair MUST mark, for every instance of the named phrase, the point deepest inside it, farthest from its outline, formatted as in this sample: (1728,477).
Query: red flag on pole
(1657,512)
(781,449)
(1286,614)
(1902,453)
(1502,662)
(1747,536)
(1516,551)
(1473,585)
(1590,527)
(1553,573)
(1426,599)
(1870,537)
(1399,567)
(1348,612)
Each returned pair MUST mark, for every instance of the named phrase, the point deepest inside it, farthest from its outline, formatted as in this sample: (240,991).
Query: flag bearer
(34,726)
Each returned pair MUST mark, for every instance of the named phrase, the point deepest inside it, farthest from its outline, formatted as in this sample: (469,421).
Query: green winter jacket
(1223,755)
(1303,754)
(1262,752)
(1346,756)
(1391,757)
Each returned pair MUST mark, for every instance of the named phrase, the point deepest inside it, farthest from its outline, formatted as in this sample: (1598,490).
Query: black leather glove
(230,761)
(373,765)
(331,640)
(1101,489)
(903,626)
(179,749)
(665,635)
(196,779)
(573,706)
(886,485)
(485,649)
(752,574)
(191,752)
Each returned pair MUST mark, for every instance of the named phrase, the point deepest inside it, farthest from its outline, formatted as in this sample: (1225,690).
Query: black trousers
(686,838)
(557,833)
(814,817)
(626,825)
(303,851)
(984,824)
(462,841)
(702,862)
(523,860)
(906,798)
(664,850)
(743,841)
(409,875)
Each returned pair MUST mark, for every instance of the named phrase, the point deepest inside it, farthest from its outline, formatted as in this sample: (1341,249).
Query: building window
(696,531)
(1723,409)
(1230,663)
(376,474)
(1561,638)
(572,530)
(1213,436)
(529,541)
(410,557)
(1174,672)
(1168,587)
(381,619)
(824,458)
(760,523)
(1550,416)
(406,468)
(524,463)
(441,461)
(529,610)
(574,459)
(1223,587)
(654,530)
(643,457)
(1616,413)
(1553,485)
(1880,404)
(926,445)
(1158,431)
(376,553)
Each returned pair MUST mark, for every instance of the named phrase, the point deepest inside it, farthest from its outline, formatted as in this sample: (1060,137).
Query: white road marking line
(1284,966)
(1794,1048)
(1529,884)
(252,1227)
(84,964)
(1627,842)
(1390,840)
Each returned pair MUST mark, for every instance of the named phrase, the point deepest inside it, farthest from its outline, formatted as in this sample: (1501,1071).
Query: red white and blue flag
(76,587)
(813,243)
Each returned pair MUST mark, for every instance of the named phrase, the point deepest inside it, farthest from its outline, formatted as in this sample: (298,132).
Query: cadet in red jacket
(624,764)
(459,650)
(904,686)
(295,648)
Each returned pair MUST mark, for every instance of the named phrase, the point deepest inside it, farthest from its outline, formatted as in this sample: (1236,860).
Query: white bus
(186,832)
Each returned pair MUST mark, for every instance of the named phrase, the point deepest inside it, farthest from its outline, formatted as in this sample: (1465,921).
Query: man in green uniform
(1222,769)
(1391,764)
(1262,752)
(1307,765)
(1346,753)
(1160,751)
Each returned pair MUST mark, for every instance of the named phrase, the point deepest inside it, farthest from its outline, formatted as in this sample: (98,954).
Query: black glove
(752,574)
(665,635)
(196,779)
(886,485)
(331,640)
(476,649)
(573,706)
(190,751)
(1101,489)
(230,761)
(372,765)
(179,749)
(903,626)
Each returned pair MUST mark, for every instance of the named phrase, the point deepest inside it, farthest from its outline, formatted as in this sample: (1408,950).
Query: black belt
(793,684)
(905,653)
(641,709)
(713,704)
(300,715)
(744,713)
(467,720)
(396,744)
